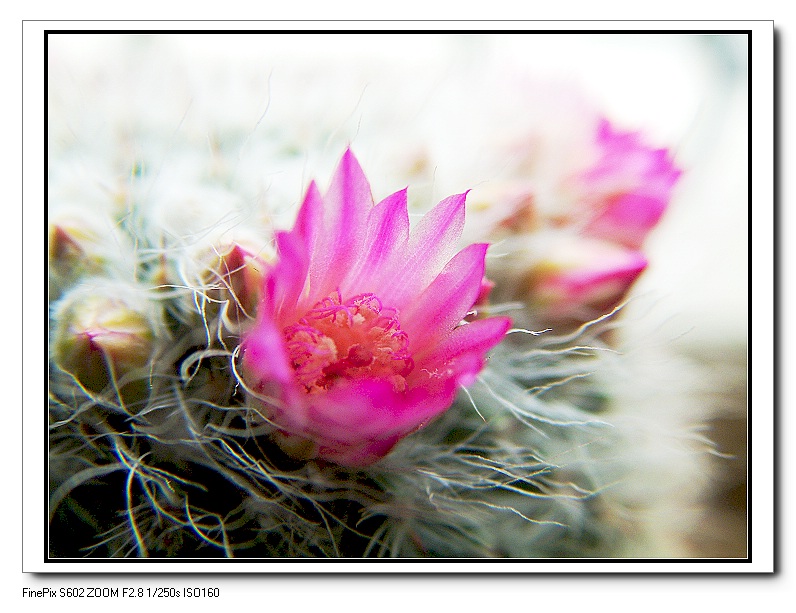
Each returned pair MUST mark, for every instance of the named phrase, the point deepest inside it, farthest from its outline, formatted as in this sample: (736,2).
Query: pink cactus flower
(359,338)
(592,255)
(627,189)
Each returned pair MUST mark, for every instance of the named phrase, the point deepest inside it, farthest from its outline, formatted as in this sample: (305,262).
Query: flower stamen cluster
(352,339)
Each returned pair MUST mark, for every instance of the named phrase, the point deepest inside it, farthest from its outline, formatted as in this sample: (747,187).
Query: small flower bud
(237,274)
(100,337)
(576,280)
(83,246)
(69,257)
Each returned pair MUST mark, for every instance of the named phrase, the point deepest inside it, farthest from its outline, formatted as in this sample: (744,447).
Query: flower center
(354,339)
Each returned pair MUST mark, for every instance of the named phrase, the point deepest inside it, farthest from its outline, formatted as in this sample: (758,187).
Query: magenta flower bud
(359,338)
(578,278)
(627,189)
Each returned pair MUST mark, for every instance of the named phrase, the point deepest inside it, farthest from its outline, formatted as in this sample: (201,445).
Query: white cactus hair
(527,463)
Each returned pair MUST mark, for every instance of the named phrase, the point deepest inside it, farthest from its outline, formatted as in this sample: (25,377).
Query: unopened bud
(238,275)
(99,338)
(81,246)
(577,280)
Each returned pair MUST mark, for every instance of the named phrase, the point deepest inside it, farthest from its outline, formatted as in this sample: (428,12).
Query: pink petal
(309,228)
(627,219)
(264,357)
(355,410)
(359,421)
(432,243)
(627,189)
(310,217)
(349,193)
(437,235)
(347,205)
(447,300)
(461,355)
(386,236)
(290,273)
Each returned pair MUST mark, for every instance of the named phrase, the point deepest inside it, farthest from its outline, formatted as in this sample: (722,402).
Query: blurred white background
(686,92)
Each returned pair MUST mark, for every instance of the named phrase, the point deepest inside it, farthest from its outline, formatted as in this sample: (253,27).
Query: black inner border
(391,561)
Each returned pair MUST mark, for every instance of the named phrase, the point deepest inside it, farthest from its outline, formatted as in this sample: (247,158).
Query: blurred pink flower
(626,191)
(579,278)
(359,338)
(593,254)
